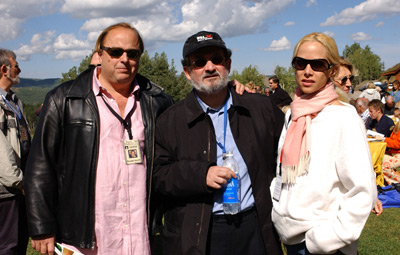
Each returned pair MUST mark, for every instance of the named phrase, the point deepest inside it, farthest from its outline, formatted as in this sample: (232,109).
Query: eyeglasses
(117,52)
(318,65)
(200,62)
(344,79)
(16,66)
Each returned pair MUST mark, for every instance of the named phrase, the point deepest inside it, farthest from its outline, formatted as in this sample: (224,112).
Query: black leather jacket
(61,170)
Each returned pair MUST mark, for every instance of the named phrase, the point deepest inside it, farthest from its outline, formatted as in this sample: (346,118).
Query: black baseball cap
(200,40)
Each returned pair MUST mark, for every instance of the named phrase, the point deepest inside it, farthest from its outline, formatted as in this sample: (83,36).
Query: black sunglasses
(318,65)
(117,52)
(344,79)
(200,62)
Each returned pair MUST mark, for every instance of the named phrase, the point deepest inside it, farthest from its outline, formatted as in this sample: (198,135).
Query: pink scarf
(296,148)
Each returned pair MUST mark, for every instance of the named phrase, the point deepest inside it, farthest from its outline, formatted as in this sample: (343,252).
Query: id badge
(23,133)
(278,188)
(133,154)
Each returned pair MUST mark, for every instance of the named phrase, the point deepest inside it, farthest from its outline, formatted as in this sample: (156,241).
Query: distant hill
(24,82)
(33,91)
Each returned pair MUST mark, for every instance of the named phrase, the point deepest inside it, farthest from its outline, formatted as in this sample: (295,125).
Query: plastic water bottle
(231,196)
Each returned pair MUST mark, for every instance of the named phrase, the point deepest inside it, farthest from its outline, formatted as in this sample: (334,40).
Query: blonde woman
(370,92)
(325,186)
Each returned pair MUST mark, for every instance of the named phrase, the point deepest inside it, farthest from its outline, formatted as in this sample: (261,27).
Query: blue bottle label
(231,192)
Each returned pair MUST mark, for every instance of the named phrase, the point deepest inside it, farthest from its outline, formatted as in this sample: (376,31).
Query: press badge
(278,188)
(23,133)
(133,154)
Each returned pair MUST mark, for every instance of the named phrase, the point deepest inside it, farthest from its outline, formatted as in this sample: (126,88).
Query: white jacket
(329,206)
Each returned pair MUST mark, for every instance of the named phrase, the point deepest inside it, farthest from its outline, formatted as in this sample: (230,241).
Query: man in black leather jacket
(62,173)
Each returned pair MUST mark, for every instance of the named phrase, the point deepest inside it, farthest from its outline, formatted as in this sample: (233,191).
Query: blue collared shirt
(217,118)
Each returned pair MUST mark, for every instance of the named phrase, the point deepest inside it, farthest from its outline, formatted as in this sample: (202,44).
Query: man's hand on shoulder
(44,244)
(240,88)
(217,176)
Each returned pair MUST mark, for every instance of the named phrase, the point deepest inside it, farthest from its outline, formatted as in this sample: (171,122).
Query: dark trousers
(13,226)
(236,235)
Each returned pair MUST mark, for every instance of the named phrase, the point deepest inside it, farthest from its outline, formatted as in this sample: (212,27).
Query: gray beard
(201,87)
(15,80)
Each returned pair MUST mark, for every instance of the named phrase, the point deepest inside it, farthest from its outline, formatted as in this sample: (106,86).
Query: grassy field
(381,235)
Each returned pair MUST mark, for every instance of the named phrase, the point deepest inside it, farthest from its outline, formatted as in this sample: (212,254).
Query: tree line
(160,71)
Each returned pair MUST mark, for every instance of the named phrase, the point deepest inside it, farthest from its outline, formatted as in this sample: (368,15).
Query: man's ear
(186,70)
(3,69)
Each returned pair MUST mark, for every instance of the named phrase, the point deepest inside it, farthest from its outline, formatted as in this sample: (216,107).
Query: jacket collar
(194,112)
(82,85)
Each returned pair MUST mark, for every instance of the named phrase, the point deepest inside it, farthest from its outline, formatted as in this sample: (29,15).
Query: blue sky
(51,36)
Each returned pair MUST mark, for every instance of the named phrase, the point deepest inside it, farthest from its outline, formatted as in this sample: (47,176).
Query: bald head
(390,101)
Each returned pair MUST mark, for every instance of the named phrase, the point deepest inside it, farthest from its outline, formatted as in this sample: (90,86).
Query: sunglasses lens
(132,53)
(316,64)
(200,62)
(299,63)
(344,80)
(116,52)
(217,60)
(319,65)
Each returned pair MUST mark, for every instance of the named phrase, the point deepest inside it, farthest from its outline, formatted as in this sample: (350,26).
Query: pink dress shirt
(120,204)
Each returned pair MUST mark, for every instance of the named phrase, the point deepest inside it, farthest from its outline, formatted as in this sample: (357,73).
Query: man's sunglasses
(200,62)
(117,52)
(344,79)
(318,65)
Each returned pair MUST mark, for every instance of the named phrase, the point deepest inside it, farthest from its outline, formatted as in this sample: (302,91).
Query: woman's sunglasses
(201,62)
(318,65)
(344,79)
(117,52)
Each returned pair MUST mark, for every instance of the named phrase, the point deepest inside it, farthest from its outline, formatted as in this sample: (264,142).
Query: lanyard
(18,113)
(222,146)
(126,122)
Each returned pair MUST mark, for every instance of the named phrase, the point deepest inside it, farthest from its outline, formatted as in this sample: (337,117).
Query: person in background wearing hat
(210,121)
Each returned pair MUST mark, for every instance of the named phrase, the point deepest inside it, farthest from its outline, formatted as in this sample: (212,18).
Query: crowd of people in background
(114,160)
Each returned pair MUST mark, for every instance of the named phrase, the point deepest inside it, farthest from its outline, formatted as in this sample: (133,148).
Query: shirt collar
(207,108)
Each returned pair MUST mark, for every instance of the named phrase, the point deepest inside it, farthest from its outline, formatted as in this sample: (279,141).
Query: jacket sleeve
(355,172)
(10,174)
(41,186)
(393,141)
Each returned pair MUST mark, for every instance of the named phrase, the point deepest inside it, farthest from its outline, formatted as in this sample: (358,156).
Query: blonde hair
(332,53)
(371,85)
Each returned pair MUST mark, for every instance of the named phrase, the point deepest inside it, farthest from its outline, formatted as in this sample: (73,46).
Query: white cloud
(278,45)
(64,46)
(379,24)
(158,21)
(16,12)
(367,10)
(311,2)
(330,33)
(289,23)
(360,36)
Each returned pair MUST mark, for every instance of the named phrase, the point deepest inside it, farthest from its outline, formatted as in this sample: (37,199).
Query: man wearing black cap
(191,138)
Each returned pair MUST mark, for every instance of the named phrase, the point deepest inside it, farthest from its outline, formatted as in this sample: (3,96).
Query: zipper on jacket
(152,164)
(208,159)
(92,241)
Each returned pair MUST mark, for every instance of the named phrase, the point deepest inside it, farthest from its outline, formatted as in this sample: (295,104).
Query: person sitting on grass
(380,122)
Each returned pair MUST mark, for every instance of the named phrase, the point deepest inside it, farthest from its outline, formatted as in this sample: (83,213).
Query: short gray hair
(5,56)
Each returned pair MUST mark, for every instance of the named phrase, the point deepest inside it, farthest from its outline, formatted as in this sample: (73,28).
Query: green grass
(381,235)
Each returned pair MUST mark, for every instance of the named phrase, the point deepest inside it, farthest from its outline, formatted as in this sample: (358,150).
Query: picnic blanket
(389,195)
